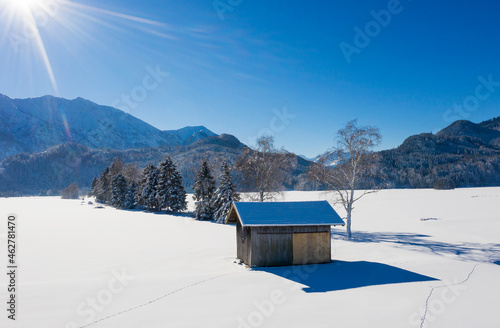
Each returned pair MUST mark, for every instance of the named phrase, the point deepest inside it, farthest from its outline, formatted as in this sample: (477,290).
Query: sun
(24,5)
(24,8)
(26,23)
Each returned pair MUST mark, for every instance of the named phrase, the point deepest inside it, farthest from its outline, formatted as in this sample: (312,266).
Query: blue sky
(252,67)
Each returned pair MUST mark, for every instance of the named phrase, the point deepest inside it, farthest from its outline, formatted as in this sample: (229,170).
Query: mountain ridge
(464,153)
(36,124)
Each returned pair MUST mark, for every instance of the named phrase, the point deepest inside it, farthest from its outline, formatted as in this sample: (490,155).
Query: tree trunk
(349,210)
(261,194)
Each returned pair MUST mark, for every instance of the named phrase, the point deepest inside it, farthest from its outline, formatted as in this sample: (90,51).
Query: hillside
(466,153)
(37,124)
(47,143)
(50,171)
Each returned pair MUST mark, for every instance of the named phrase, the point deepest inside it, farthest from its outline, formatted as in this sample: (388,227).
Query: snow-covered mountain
(328,158)
(190,134)
(36,124)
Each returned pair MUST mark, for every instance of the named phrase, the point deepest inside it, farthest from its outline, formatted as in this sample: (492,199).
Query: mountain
(50,171)
(190,134)
(483,133)
(493,124)
(47,143)
(36,124)
(464,153)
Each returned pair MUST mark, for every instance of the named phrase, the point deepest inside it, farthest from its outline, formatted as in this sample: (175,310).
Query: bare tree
(70,192)
(131,172)
(347,168)
(265,169)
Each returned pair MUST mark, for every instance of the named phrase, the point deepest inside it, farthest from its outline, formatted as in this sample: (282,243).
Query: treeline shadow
(143,210)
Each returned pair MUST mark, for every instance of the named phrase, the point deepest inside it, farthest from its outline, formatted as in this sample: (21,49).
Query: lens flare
(22,21)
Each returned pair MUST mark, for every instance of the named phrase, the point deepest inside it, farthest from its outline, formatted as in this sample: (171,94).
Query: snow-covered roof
(284,214)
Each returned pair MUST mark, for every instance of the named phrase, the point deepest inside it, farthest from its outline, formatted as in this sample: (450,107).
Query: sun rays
(26,25)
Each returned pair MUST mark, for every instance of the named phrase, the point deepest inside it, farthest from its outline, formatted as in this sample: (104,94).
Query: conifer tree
(171,193)
(103,187)
(204,187)
(224,195)
(177,200)
(130,197)
(118,191)
(164,181)
(114,169)
(148,194)
(93,186)
(143,180)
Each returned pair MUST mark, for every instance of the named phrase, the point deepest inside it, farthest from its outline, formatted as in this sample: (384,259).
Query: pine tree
(224,195)
(152,199)
(114,169)
(164,181)
(171,193)
(147,194)
(103,187)
(177,201)
(141,200)
(118,191)
(93,186)
(204,187)
(130,197)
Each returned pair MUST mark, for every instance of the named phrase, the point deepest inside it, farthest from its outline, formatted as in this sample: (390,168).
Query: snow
(287,213)
(155,270)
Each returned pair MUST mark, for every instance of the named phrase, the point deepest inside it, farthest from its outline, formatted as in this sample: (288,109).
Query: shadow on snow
(161,212)
(421,242)
(341,275)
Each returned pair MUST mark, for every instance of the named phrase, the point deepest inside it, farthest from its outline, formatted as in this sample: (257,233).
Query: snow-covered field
(82,266)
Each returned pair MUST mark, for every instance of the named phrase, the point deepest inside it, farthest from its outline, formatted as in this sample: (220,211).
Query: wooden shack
(283,233)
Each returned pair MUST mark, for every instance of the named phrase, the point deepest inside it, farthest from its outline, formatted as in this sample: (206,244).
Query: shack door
(311,247)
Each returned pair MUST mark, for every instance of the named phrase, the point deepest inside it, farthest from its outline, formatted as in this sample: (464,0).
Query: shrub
(444,184)
(70,192)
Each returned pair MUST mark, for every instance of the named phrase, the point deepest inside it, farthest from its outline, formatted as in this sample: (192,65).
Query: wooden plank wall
(311,247)
(271,247)
(243,243)
(275,246)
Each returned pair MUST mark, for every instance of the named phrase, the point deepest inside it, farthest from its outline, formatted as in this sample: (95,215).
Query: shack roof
(284,214)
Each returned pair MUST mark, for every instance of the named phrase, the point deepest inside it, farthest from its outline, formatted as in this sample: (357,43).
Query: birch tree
(347,168)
